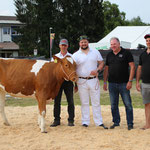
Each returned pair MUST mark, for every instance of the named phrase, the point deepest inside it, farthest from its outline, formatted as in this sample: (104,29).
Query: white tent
(129,36)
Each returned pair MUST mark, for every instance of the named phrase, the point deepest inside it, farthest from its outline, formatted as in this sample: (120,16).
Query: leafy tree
(112,17)
(92,19)
(136,22)
(37,18)
(26,13)
(78,18)
(67,24)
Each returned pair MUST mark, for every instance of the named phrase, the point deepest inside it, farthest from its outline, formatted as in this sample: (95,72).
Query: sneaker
(114,125)
(85,125)
(130,127)
(102,125)
(55,123)
(70,124)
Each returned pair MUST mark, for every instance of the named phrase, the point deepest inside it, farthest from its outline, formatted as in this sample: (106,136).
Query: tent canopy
(129,36)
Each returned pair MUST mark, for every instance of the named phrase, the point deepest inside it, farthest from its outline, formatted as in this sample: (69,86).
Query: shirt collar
(63,55)
(82,52)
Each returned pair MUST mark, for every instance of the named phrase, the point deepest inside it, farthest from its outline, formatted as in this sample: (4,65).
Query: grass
(136,99)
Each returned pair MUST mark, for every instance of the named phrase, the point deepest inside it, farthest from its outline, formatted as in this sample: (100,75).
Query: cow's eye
(66,65)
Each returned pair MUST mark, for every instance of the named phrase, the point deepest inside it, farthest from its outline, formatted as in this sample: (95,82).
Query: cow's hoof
(6,124)
(44,132)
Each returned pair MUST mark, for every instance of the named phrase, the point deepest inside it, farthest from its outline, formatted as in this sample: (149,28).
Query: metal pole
(50,43)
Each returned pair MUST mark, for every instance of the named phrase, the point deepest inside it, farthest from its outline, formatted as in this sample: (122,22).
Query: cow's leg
(42,113)
(39,119)
(2,105)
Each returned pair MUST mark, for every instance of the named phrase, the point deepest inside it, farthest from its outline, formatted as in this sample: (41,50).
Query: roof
(8,46)
(129,36)
(9,20)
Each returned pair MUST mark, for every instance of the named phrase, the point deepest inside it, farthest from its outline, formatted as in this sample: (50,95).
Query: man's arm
(105,76)
(99,68)
(138,76)
(131,76)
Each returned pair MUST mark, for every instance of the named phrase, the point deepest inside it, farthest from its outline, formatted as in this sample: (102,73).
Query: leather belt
(88,78)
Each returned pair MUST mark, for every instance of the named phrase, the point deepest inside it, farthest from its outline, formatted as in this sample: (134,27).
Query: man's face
(115,45)
(148,42)
(84,44)
(63,47)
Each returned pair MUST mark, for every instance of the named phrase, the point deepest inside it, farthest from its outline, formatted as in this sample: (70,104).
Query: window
(13,31)
(6,30)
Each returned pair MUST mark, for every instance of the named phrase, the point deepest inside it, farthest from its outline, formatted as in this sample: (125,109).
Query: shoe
(85,125)
(55,123)
(102,125)
(114,125)
(70,124)
(130,127)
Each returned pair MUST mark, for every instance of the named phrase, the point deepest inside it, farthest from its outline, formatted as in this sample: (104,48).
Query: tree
(92,18)
(26,13)
(78,17)
(136,22)
(69,19)
(112,17)
(37,18)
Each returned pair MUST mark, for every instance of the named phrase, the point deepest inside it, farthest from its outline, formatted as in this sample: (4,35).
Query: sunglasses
(83,37)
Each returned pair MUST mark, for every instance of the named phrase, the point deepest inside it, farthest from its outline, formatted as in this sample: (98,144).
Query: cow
(37,79)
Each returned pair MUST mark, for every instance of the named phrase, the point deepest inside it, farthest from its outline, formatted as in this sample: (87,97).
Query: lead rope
(97,86)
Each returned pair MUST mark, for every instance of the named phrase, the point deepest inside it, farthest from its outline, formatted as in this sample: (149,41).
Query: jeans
(114,90)
(67,86)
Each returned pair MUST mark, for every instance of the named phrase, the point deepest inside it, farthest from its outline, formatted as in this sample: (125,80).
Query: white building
(8,26)
(130,37)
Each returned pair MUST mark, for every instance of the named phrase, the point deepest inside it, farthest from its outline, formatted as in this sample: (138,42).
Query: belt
(88,78)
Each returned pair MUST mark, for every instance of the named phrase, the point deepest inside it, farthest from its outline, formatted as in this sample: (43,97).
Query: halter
(68,76)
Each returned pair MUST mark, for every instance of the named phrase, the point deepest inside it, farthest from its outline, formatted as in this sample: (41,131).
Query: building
(131,37)
(8,26)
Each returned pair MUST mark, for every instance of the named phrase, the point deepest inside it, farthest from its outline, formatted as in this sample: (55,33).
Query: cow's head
(68,67)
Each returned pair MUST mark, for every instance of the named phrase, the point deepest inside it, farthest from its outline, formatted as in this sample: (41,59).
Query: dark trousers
(114,90)
(67,86)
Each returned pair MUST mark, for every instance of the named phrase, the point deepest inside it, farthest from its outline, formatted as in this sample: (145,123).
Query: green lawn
(136,99)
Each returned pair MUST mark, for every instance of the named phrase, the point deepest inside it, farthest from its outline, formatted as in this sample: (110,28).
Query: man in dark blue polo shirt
(120,79)
(144,72)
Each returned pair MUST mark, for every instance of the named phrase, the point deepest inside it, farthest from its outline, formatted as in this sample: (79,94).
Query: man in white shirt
(67,87)
(88,84)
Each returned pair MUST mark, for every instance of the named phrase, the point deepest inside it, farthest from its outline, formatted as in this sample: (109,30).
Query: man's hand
(76,89)
(105,87)
(138,87)
(94,73)
(129,85)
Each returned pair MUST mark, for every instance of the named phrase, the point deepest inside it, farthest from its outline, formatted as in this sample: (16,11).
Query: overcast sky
(132,8)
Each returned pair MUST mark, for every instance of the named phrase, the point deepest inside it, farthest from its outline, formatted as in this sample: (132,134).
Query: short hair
(115,38)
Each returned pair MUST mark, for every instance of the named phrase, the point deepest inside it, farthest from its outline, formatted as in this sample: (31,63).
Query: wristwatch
(130,80)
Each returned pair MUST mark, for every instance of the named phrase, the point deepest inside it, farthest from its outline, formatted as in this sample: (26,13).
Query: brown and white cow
(38,79)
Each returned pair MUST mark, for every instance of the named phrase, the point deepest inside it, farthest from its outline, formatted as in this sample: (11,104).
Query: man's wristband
(105,82)
(130,80)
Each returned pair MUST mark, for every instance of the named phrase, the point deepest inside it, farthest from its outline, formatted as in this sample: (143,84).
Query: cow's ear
(56,59)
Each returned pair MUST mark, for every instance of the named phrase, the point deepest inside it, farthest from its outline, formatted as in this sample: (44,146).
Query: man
(120,81)
(67,87)
(144,70)
(88,85)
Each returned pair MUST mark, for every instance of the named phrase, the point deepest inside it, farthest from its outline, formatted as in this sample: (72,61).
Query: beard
(84,48)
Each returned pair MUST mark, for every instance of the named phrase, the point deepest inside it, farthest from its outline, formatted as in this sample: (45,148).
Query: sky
(132,8)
